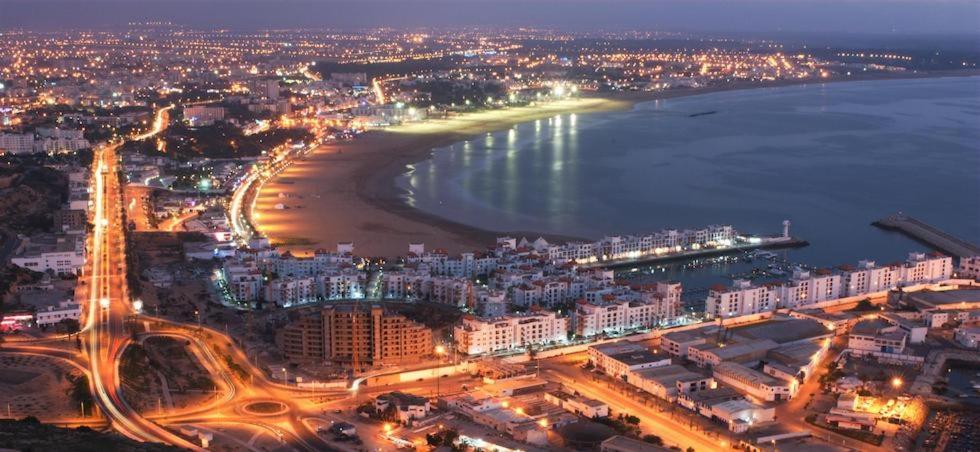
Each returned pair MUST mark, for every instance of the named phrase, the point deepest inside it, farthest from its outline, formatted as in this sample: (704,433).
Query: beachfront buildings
(742,298)
(348,334)
(807,288)
(664,242)
(637,308)
(476,335)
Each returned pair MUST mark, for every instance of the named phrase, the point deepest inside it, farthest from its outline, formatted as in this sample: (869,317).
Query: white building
(620,358)
(51,315)
(648,307)
(14,143)
(923,268)
(339,284)
(876,336)
(407,406)
(805,288)
(969,267)
(968,336)
(666,382)
(203,115)
(584,406)
(486,335)
(754,383)
(290,291)
(868,278)
(62,253)
(743,298)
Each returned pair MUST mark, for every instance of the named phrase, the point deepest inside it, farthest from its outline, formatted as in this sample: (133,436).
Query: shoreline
(353,183)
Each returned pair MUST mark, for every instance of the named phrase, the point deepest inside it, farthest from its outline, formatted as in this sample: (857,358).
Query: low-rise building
(63,254)
(668,381)
(754,383)
(407,407)
(51,315)
(619,359)
(590,408)
(620,443)
(876,336)
(968,336)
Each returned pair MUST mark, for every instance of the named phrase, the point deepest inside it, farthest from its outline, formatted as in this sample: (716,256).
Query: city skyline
(489,225)
(890,17)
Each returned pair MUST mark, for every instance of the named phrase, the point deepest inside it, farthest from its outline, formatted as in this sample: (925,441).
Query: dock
(929,235)
(765,243)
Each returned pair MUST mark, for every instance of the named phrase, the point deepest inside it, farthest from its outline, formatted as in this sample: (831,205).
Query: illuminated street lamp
(104,303)
(897,382)
(137,305)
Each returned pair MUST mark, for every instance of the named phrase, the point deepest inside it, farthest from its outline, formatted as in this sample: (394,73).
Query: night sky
(856,16)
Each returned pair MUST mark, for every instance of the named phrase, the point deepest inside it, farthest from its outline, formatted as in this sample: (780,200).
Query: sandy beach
(345,191)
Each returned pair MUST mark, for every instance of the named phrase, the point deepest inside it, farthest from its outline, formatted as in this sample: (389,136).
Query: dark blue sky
(900,17)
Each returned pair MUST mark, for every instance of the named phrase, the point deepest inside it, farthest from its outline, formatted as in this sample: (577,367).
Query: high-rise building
(355,335)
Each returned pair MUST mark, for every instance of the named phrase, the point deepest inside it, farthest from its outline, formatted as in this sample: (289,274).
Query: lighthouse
(786,229)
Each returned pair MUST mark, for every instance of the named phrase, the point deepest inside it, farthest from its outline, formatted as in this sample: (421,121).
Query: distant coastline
(347,191)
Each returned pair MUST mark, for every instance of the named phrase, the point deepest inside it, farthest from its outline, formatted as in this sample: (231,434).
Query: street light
(137,305)
(897,382)
(104,302)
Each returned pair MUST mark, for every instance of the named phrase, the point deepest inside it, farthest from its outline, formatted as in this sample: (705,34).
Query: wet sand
(345,191)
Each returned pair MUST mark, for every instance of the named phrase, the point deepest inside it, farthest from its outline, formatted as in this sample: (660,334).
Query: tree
(68,326)
(653,439)
(631,419)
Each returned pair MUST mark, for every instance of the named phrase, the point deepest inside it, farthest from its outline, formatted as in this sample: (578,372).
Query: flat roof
(783,330)
(795,354)
(692,335)
(742,349)
(635,357)
(746,374)
(719,393)
(945,297)
(872,326)
(624,443)
(669,375)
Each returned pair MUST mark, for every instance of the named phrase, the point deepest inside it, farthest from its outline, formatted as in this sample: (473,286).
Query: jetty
(764,243)
(929,235)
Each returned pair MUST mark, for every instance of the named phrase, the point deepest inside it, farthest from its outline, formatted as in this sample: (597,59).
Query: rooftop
(930,299)
(783,330)
(636,357)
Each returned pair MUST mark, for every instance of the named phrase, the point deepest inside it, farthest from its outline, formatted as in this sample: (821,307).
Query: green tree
(653,439)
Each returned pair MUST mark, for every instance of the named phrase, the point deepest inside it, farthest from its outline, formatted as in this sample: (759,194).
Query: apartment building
(355,335)
(476,335)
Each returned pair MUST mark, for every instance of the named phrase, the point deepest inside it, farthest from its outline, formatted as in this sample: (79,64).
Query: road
(109,326)
(109,307)
(673,431)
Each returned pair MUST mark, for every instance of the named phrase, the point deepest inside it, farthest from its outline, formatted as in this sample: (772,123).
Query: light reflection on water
(831,158)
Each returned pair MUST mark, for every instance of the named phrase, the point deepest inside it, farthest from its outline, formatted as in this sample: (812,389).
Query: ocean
(831,158)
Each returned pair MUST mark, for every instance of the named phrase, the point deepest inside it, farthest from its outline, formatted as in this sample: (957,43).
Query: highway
(109,315)
(108,305)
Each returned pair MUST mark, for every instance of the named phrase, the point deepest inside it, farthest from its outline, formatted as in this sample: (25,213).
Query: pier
(929,235)
(764,243)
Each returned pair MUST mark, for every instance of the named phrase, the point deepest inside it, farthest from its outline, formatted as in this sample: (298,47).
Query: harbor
(928,234)
(756,243)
